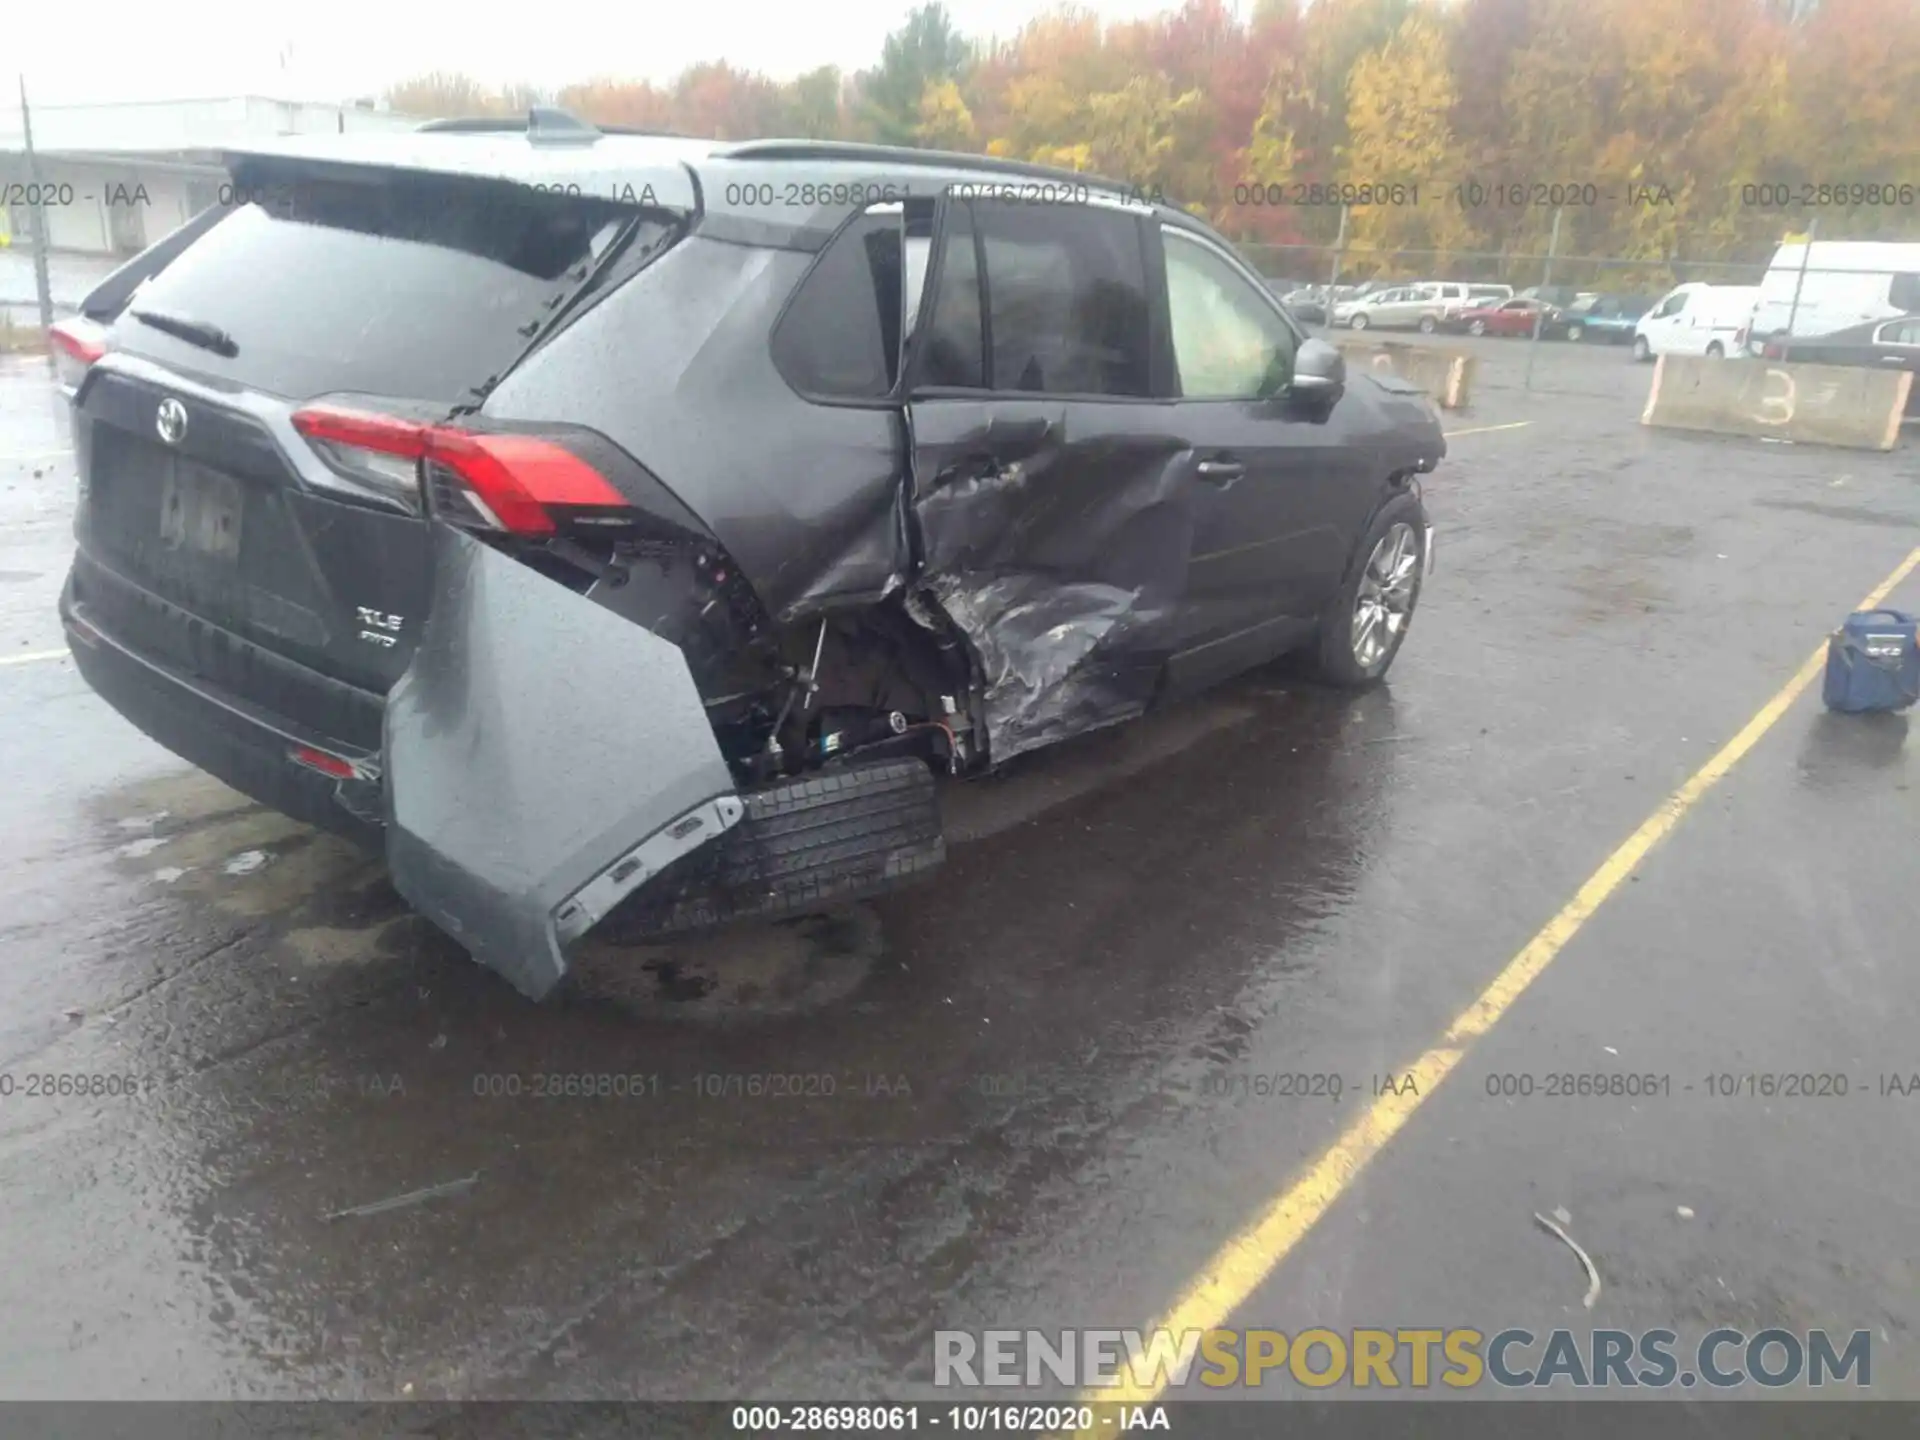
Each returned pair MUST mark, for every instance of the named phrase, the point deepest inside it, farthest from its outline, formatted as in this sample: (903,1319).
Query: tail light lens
(77,343)
(506,483)
(1774,350)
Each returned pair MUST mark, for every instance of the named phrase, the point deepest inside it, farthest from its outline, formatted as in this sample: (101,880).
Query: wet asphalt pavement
(1024,1094)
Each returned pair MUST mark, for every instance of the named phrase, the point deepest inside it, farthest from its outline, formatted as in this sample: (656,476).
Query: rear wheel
(1428,325)
(1478,327)
(1574,332)
(1358,322)
(1367,620)
(1716,351)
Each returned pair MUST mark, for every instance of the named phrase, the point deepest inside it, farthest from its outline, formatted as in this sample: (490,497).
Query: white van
(1847,283)
(1697,319)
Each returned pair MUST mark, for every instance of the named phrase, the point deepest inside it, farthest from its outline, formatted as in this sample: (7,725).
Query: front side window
(1228,343)
(1066,290)
(1672,305)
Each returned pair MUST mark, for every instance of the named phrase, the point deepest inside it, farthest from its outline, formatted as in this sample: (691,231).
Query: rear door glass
(1066,290)
(954,353)
(840,335)
(396,286)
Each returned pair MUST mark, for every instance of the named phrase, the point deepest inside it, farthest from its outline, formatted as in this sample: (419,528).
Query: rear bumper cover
(542,757)
(232,739)
(545,758)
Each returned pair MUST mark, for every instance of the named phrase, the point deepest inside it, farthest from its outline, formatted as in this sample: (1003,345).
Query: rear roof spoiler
(110,296)
(651,170)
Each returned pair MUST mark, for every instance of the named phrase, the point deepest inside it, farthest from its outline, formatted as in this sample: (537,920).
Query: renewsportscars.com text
(1382,1359)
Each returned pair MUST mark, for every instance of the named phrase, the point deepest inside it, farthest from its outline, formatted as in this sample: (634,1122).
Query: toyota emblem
(171,421)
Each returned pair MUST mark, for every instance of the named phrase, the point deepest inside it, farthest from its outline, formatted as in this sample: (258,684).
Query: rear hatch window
(396,294)
(403,286)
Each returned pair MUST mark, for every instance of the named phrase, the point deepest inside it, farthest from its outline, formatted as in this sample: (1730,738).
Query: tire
(1357,322)
(1574,333)
(1642,352)
(1428,325)
(1477,327)
(808,844)
(1343,658)
(1716,351)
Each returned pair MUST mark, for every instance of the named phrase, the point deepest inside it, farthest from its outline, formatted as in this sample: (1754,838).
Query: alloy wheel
(1384,602)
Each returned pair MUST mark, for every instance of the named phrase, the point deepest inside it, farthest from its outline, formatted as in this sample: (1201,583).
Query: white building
(116,177)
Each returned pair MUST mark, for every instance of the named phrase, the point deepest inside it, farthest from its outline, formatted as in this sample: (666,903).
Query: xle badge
(378,627)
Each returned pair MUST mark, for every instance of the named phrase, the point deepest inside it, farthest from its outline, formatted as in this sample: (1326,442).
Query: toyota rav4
(625,531)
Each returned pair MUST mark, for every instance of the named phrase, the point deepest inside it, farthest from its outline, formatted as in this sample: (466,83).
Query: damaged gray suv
(626,531)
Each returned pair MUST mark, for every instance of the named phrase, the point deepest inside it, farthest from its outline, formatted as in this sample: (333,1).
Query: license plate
(200,512)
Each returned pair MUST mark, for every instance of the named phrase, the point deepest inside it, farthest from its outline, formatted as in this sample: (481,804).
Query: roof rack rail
(517,125)
(542,125)
(907,155)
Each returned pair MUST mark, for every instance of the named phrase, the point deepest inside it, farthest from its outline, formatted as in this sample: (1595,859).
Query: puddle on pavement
(753,971)
(1855,752)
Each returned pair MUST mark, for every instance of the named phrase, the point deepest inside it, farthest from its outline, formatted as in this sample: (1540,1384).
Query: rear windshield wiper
(194,332)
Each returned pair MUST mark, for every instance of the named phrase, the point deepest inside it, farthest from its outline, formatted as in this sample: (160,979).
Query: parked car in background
(1506,317)
(1309,304)
(1834,286)
(1557,295)
(1879,345)
(1422,307)
(1608,319)
(1696,319)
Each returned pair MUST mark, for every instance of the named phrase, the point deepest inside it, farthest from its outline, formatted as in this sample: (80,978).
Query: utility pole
(1806,257)
(1333,281)
(36,223)
(1546,283)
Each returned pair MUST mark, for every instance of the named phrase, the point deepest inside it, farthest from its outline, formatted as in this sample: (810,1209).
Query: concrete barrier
(1844,405)
(1446,375)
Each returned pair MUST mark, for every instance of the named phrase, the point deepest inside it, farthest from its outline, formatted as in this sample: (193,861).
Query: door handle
(1221,472)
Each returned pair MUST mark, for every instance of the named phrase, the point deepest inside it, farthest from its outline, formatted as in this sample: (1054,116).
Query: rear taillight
(481,481)
(77,343)
(1774,350)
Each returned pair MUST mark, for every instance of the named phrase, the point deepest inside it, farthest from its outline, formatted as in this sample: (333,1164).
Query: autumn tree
(446,95)
(1400,101)
(813,107)
(924,51)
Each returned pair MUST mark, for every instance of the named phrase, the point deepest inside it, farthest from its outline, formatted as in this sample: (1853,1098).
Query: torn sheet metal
(1064,564)
(545,758)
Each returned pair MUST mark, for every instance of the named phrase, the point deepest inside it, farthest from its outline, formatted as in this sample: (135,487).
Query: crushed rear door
(545,758)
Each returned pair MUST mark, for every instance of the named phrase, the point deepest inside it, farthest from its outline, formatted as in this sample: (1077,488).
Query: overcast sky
(96,50)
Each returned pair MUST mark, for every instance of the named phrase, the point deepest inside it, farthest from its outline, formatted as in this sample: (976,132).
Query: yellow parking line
(1248,1258)
(32,657)
(1488,429)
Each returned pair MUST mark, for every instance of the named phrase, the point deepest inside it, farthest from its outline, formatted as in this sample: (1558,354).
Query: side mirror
(1319,371)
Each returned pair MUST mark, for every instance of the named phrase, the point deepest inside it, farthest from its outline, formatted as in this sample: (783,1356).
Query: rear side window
(1066,289)
(411,288)
(840,335)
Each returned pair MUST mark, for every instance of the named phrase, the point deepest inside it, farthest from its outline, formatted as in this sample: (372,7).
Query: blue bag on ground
(1873,662)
